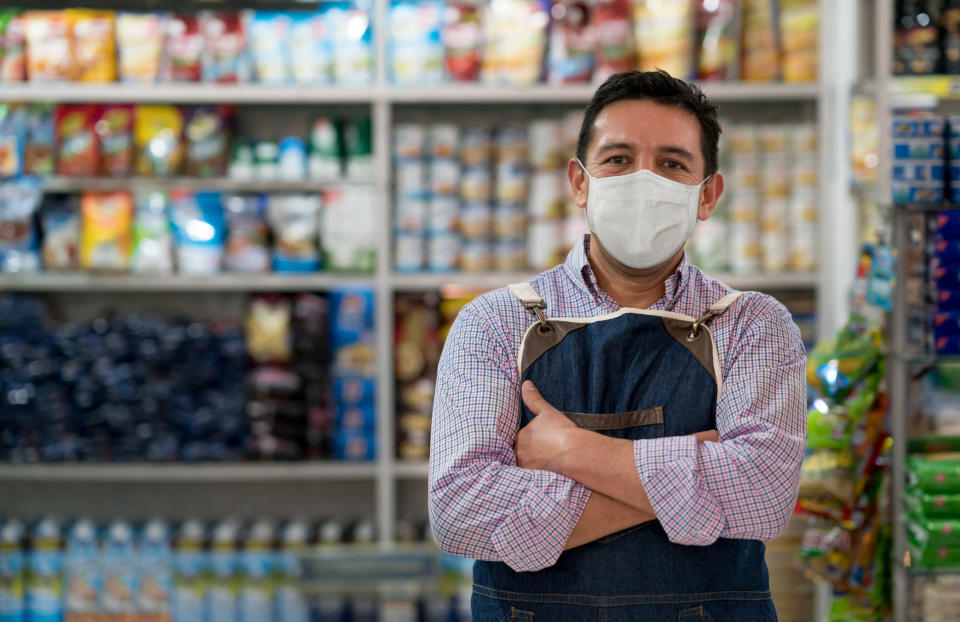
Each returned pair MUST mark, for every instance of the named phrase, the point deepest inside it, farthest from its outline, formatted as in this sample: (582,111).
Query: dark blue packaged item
(945,250)
(352,344)
(948,345)
(948,300)
(953,126)
(918,149)
(356,418)
(918,126)
(921,170)
(955,192)
(355,445)
(953,149)
(946,276)
(946,223)
(917,191)
(945,323)
(354,391)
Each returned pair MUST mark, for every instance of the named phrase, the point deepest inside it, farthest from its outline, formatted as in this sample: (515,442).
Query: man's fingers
(708,435)
(532,398)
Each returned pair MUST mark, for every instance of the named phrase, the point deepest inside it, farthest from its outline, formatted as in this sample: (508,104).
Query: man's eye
(674,164)
(617,160)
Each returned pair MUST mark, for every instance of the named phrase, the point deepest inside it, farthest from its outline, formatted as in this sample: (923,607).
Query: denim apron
(633,374)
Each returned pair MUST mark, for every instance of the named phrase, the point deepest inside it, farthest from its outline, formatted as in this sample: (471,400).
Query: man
(627,505)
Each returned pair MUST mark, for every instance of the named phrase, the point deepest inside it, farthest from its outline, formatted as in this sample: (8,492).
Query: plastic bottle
(222,594)
(11,571)
(155,570)
(120,572)
(256,570)
(45,563)
(190,573)
(82,565)
(291,604)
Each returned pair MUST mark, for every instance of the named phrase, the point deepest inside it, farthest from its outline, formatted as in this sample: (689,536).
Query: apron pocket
(647,423)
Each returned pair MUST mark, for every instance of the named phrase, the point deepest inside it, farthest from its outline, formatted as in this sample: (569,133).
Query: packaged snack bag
(61,232)
(105,240)
(139,46)
(158,131)
(41,140)
(77,148)
(571,54)
(184,47)
(207,133)
(416,48)
(13,127)
(269,31)
(115,133)
(94,48)
(152,237)
(13,57)
(247,234)
(351,36)
(224,59)
(19,250)
(760,55)
(516,37)
(310,53)
(614,37)
(49,54)
(716,34)
(295,220)
(462,41)
(200,231)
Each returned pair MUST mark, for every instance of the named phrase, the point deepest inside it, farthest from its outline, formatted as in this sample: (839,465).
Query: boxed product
(934,473)
(107,226)
(247,248)
(355,445)
(352,333)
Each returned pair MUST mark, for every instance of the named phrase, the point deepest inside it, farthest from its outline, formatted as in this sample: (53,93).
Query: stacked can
(546,202)
(775,188)
(510,195)
(803,213)
(443,207)
(410,219)
(918,163)
(476,195)
(744,206)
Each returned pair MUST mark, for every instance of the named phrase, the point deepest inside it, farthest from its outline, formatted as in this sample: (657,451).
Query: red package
(115,133)
(462,41)
(77,139)
(184,49)
(13,59)
(224,61)
(613,30)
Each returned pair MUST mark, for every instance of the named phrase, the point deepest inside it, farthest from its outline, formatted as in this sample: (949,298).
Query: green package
(933,444)
(934,473)
(924,505)
(935,532)
(931,556)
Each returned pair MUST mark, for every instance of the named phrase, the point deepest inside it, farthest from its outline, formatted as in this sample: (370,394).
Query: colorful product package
(571,53)
(310,53)
(416,47)
(462,42)
(291,603)
(348,229)
(516,32)
(256,570)
(94,48)
(45,573)
(41,140)
(323,159)
(13,57)
(19,247)
(77,139)
(152,236)
(225,53)
(200,231)
(155,564)
(351,36)
(207,134)
(106,229)
(184,49)
(664,36)
(717,38)
(934,473)
(49,53)
(158,131)
(13,128)
(61,232)
(354,445)
(120,572)
(799,32)
(247,234)
(83,571)
(614,37)
(12,571)
(295,220)
(224,567)
(189,573)
(268,33)
(292,159)
(115,132)
(352,333)
(139,46)
(759,48)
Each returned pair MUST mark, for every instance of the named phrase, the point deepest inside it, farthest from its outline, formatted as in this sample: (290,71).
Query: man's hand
(541,442)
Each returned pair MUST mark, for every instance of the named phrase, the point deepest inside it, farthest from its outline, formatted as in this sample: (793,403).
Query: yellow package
(107,222)
(139,46)
(799,30)
(158,131)
(47,38)
(664,36)
(94,49)
(760,56)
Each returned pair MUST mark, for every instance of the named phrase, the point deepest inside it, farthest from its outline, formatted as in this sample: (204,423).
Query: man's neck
(630,287)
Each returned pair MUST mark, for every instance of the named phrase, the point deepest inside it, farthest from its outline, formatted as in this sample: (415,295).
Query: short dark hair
(662,88)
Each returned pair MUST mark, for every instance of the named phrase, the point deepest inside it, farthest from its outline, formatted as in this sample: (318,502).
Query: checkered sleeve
(746,485)
(481,504)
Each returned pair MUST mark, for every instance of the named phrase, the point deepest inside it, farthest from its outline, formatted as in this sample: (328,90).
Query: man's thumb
(532,398)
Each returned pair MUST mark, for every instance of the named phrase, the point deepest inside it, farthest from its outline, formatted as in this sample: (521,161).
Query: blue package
(11,571)
(190,565)
(918,149)
(946,250)
(354,391)
(947,344)
(946,276)
(920,170)
(351,35)
(918,127)
(947,300)
(200,231)
(357,417)
(946,223)
(309,49)
(416,47)
(20,248)
(44,587)
(953,149)
(295,220)
(945,323)
(955,192)
(268,32)
(351,316)
(354,445)
(13,139)
(917,191)
(155,563)
(953,126)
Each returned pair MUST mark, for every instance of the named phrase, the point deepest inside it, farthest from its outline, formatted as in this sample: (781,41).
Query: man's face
(630,135)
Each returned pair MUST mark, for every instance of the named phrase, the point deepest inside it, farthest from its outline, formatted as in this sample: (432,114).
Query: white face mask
(641,218)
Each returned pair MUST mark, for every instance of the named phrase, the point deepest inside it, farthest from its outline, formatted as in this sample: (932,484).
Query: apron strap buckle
(716,310)
(537,308)
(531,301)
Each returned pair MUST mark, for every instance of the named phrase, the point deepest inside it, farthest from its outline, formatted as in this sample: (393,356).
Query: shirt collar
(578,266)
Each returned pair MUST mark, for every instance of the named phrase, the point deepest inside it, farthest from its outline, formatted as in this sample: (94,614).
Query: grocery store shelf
(411,470)
(493,280)
(224,282)
(941,86)
(926,207)
(186,93)
(80,184)
(226,472)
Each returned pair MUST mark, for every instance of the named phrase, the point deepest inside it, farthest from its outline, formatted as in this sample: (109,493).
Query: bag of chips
(115,133)
(13,57)
(77,144)
(19,248)
(94,49)
(49,53)
(185,43)
(61,232)
(158,131)
(152,237)
(139,46)
(13,127)
(41,140)
(105,241)
(225,38)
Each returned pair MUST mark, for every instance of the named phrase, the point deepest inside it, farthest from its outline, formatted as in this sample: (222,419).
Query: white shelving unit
(381,99)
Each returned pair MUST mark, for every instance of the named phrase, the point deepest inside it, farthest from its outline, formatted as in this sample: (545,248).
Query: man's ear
(710,193)
(579,182)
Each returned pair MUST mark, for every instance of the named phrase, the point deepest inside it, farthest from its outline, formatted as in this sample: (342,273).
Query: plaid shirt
(482,505)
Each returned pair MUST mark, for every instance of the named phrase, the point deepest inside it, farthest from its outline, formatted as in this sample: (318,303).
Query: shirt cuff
(668,469)
(533,536)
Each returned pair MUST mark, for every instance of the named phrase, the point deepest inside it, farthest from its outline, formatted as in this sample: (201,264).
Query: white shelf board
(80,184)
(183,92)
(227,472)
(224,282)
(411,470)
(494,280)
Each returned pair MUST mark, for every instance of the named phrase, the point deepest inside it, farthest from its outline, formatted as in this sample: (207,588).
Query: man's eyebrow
(615,146)
(677,151)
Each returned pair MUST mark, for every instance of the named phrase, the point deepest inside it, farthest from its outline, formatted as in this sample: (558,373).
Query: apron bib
(633,374)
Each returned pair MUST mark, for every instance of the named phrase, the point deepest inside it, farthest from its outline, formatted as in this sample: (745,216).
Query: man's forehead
(646,124)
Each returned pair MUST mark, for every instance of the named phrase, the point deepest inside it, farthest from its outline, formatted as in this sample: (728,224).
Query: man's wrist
(566,462)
